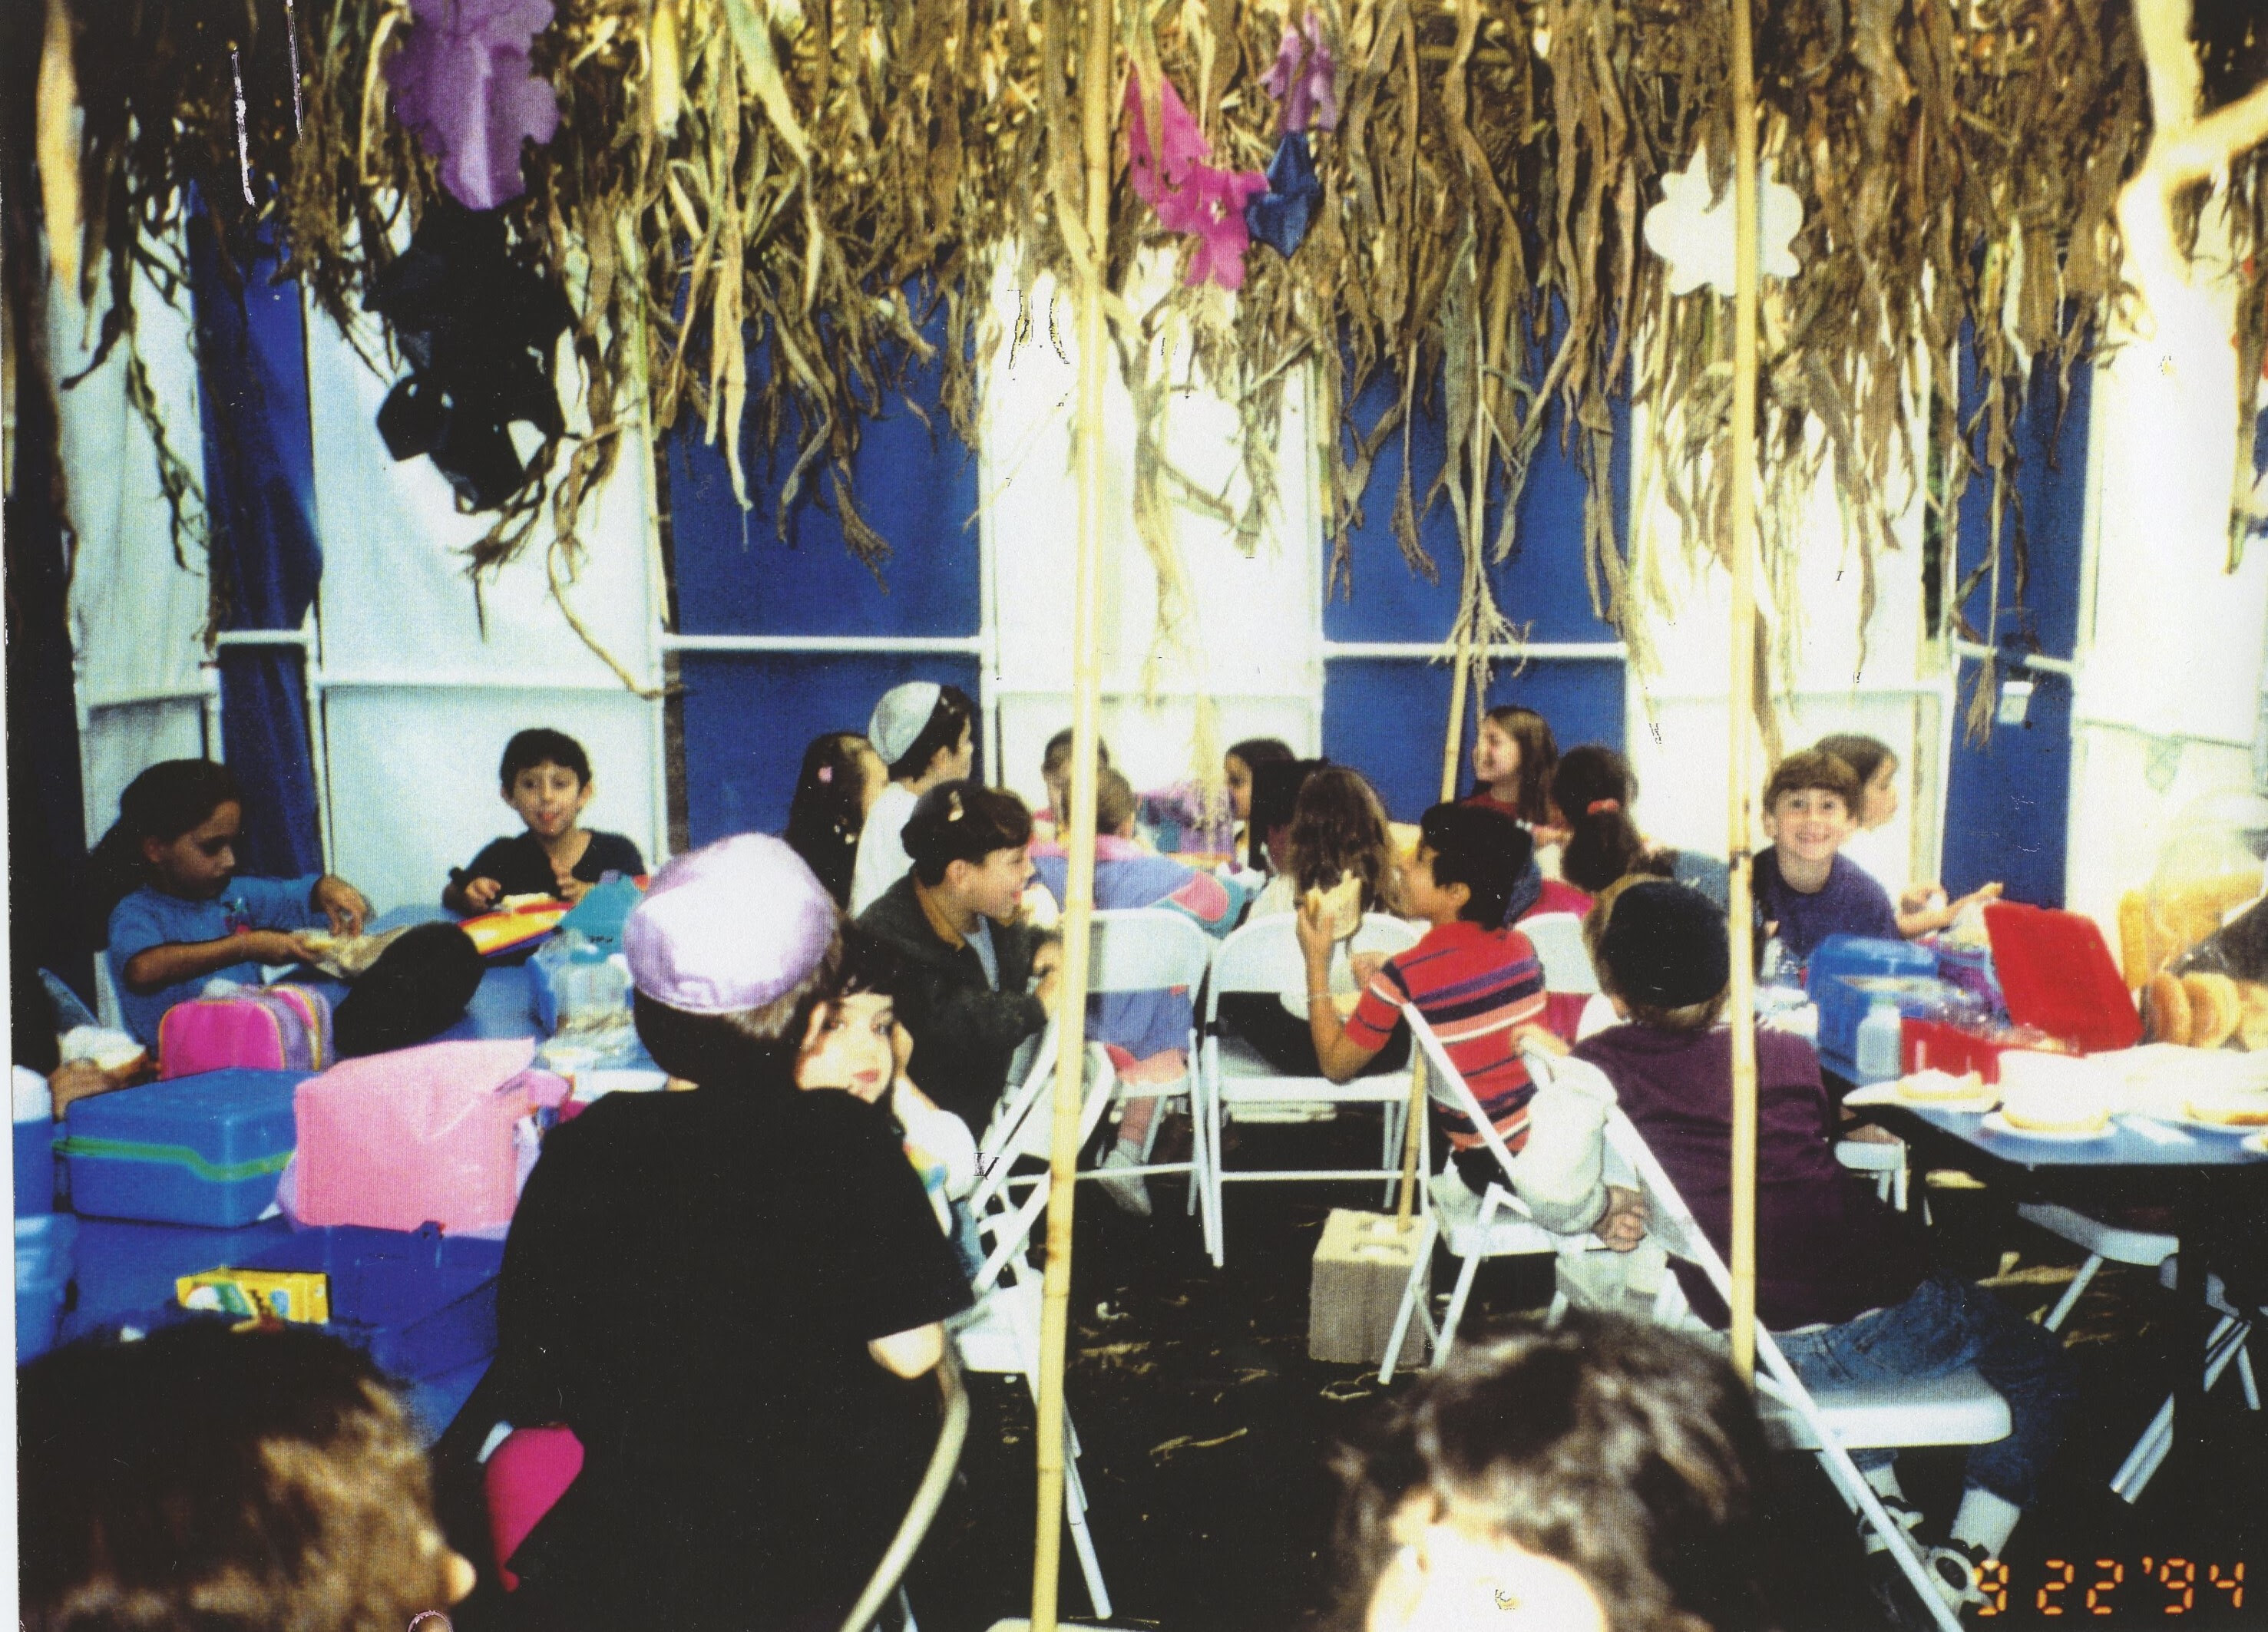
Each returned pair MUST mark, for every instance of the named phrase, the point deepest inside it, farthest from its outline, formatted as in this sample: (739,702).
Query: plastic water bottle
(1874,1054)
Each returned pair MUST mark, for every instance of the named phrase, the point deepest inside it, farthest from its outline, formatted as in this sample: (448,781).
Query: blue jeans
(1948,1323)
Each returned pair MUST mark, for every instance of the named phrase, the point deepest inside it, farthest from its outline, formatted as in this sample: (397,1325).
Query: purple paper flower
(462,85)
(1305,79)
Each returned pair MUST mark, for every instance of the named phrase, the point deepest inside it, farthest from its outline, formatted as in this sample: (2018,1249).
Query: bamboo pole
(1741,701)
(1078,893)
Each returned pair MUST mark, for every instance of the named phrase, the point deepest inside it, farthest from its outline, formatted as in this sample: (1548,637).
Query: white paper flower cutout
(1695,240)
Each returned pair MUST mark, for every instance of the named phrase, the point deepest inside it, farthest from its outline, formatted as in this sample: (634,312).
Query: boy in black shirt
(547,780)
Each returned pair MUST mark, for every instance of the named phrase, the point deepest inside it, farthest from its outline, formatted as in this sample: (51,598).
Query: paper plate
(1999,1123)
(2257,1144)
(2200,1125)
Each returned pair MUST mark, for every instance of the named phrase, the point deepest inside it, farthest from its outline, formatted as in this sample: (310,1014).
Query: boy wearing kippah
(1848,1286)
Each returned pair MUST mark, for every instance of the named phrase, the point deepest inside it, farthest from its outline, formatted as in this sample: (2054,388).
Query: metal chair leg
(1421,1276)
(2069,1301)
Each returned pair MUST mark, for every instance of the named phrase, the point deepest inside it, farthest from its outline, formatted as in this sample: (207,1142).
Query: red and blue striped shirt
(1475,987)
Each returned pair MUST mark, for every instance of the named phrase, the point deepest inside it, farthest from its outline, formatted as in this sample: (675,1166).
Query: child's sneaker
(1956,1569)
(1886,1580)
(1128,1190)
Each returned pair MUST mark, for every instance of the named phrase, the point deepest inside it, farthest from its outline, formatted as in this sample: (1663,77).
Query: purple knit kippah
(733,925)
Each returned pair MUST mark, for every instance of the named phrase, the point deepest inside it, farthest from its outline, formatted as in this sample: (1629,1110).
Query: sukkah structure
(823,180)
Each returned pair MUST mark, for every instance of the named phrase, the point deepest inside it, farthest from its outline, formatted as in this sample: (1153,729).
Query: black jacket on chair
(964,1031)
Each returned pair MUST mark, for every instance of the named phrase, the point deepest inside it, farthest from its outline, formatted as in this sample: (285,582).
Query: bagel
(2043,1115)
(1340,906)
(2229,1110)
(2167,1006)
(1927,1087)
(2213,1008)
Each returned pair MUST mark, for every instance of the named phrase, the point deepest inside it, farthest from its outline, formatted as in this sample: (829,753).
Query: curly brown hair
(1338,825)
(1629,1453)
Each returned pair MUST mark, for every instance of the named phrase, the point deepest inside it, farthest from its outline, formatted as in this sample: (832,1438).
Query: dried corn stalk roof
(817,178)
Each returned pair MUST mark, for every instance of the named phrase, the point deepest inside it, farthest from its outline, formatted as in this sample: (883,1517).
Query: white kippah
(900,718)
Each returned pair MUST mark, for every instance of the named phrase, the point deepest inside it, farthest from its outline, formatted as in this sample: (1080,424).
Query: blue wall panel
(748,717)
(1540,585)
(1385,716)
(2008,802)
(916,487)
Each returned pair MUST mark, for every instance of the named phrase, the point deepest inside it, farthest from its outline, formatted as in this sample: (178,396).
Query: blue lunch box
(418,1302)
(203,1149)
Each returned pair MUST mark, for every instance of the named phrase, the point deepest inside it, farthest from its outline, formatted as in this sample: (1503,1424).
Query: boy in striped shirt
(1477,984)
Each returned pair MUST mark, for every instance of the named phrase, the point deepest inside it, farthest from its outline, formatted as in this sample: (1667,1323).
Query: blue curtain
(259,481)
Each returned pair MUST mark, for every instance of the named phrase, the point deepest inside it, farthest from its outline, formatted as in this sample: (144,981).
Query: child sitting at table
(925,734)
(725,1293)
(1922,908)
(854,1043)
(1146,1032)
(1478,983)
(1595,791)
(546,782)
(977,980)
(1848,1285)
(1805,890)
(203,1477)
(176,913)
(841,779)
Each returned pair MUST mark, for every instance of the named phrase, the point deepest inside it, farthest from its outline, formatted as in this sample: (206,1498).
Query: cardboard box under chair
(1361,1269)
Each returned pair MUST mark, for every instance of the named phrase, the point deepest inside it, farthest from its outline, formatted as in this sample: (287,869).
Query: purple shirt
(1849,903)
(1827,1248)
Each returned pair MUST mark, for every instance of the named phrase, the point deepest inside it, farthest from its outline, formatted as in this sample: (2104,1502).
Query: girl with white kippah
(926,735)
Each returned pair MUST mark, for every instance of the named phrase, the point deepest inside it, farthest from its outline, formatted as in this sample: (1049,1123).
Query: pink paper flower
(1211,208)
(463,84)
(1305,78)
(1189,194)
(1157,172)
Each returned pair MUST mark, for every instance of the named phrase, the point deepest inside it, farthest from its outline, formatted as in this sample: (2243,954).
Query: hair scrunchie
(1598,807)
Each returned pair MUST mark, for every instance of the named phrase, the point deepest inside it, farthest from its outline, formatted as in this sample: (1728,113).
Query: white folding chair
(1557,937)
(1959,1409)
(1001,1334)
(1149,949)
(1492,1225)
(2228,1342)
(1264,957)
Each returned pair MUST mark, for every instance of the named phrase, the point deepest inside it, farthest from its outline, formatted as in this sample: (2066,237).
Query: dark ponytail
(1593,789)
(163,802)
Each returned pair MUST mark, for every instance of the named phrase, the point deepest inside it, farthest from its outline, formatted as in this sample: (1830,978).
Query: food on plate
(1340,906)
(2167,1006)
(1927,1087)
(2229,1109)
(2213,1008)
(521,903)
(2046,1113)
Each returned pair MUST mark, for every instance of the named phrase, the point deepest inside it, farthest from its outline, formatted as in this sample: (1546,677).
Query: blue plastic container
(43,1274)
(35,1167)
(203,1149)
(419,1303)
(1828,977)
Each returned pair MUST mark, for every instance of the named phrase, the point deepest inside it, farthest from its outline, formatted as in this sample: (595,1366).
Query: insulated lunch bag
(265,1028)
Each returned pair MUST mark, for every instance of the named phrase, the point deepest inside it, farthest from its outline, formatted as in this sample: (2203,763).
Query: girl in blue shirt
(177,914)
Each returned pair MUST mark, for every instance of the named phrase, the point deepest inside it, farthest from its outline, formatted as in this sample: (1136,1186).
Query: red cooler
(2063,991)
